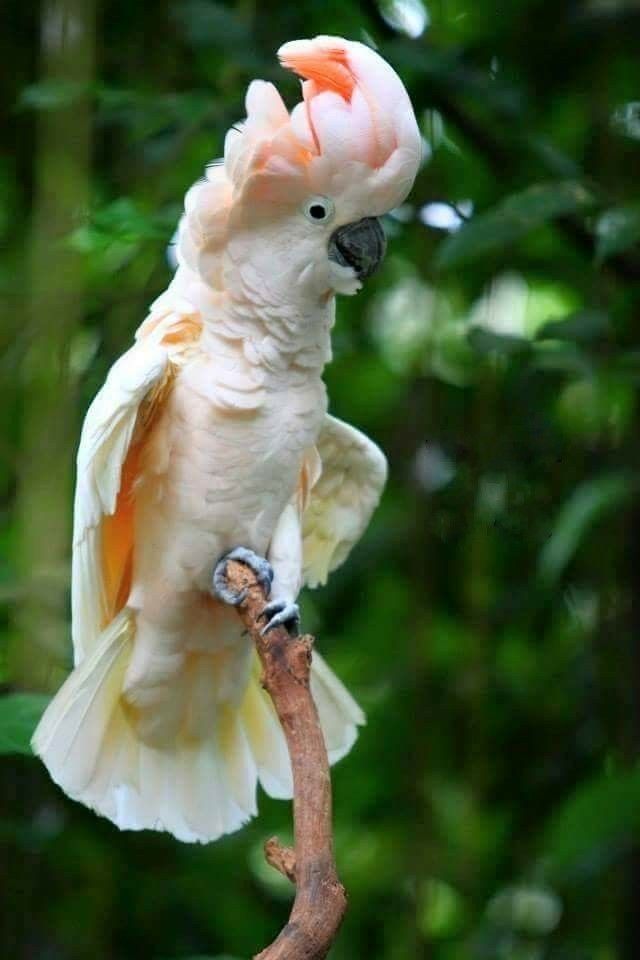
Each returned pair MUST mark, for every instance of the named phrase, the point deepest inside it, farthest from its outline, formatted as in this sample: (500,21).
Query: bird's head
(296,200)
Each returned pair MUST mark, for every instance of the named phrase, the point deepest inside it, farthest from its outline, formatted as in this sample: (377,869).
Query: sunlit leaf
(441,909)
(582,510)
(19,716)
(617,229)
(515,217)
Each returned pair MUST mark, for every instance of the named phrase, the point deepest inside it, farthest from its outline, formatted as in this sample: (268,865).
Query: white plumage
(212,432)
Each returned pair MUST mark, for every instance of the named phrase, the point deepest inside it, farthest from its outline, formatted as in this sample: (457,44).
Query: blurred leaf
(596,406)
(534,911)
(592,823)
(272,881)
(406,16)
(207,24)
(617,229)
(486,342)
(146,115)
(582,325)
(51,95)
(369,858)
(124,218)
(580,512)
(450,358)
(511,220)
(625,119)
(562,355)
(441,909)
(113,233)
(19,716)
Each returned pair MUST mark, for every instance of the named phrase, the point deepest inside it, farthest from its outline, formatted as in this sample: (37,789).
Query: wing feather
(340,504)
(107,467)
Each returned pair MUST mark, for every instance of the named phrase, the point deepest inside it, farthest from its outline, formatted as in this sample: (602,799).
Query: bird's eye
(318,209)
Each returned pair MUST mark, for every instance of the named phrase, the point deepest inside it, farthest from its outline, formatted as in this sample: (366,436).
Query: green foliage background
(489,621)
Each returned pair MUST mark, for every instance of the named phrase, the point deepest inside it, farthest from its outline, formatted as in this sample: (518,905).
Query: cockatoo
(211,439)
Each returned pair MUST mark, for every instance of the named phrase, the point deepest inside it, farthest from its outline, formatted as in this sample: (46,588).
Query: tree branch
(320,901)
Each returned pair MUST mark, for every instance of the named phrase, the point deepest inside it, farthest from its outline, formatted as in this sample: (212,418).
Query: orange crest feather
(327,67)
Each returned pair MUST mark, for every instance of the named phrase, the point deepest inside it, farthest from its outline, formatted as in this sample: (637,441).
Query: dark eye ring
(318,209)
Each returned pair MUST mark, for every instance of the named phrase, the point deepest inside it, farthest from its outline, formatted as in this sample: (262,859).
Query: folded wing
(108,462)
(339,507)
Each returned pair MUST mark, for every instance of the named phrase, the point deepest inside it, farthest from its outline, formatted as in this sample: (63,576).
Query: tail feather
(266,739)
(239,765)
(72,730)
(197,787)
(340,716)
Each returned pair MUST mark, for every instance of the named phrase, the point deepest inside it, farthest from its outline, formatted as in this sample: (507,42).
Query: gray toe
(261,567)
(280,613)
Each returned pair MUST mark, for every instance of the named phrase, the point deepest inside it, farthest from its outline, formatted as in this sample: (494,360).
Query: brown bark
(320,900)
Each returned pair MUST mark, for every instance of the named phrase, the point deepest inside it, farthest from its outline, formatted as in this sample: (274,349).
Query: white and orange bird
(211,435)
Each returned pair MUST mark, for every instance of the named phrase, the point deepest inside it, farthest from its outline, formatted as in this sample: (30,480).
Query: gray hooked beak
(360,245)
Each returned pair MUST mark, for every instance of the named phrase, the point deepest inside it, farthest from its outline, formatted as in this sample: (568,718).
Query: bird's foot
(261,567)
(281,613)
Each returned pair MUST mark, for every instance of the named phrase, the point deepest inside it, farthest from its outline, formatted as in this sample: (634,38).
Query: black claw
(261,567)
(281,613)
